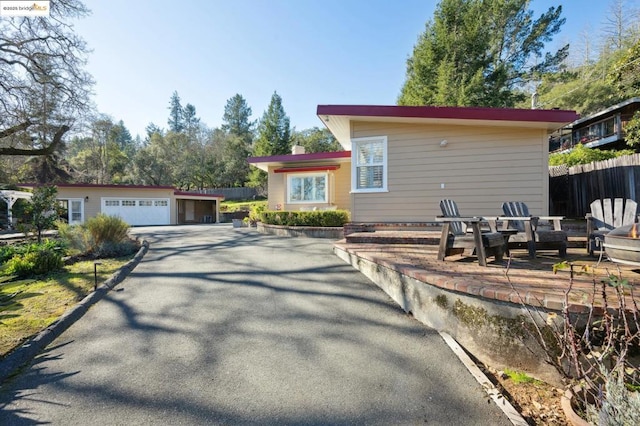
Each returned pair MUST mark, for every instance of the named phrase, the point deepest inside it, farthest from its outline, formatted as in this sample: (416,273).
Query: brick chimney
(297,149)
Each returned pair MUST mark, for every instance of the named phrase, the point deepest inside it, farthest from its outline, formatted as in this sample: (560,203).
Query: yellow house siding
(339,187)
(277,189)
(480,168)
(342,187)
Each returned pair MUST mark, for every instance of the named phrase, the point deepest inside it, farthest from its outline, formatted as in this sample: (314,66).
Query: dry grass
(39,302)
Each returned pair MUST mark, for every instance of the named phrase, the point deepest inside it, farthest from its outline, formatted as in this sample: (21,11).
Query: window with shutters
(369,164)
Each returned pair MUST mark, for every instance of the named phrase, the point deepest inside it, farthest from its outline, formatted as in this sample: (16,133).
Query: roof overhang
(338,118)
(307,169)
(601,114)
(319,159)
(177,193)
(182,195)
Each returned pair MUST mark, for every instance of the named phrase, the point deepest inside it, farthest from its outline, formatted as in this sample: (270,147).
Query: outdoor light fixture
(86,198)
(443,143)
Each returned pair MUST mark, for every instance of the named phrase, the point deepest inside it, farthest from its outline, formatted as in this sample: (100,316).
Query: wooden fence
(572,189)
(242,193)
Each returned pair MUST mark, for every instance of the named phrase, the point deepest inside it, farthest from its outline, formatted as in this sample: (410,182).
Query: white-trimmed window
(128,203)
(72,210)
(307,188)
(369,164)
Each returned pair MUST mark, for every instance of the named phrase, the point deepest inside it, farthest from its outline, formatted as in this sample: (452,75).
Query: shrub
(9,251)
(312,218)
(583,155)
(594,352)
(76,237)
(6,253)
(111,249)
(38,262)
(255,210)
(107,229)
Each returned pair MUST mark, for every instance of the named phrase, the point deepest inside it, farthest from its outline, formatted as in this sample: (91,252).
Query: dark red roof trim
(95,185)
(306,169)
(301,157)
(466,113)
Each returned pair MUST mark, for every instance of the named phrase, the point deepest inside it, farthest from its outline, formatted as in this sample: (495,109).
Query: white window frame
(70,211)
(291,176)
(355,143)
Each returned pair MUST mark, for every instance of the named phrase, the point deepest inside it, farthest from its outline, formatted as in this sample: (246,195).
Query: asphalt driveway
(227,326)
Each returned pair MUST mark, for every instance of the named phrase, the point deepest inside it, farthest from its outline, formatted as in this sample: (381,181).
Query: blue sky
(310,51)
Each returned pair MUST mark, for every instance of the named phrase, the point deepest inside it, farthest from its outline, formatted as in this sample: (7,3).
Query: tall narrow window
(369,164)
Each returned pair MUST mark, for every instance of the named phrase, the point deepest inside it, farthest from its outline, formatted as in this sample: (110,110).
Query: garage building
(138,205)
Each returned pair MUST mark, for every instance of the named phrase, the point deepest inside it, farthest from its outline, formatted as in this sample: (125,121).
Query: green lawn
(39,302)
(235,205)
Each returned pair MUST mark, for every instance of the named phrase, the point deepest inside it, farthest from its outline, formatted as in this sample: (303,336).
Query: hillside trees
(315,140)
(103,156)
(235,142)
(479,53)
(591,85)
(274,138)
(44,89)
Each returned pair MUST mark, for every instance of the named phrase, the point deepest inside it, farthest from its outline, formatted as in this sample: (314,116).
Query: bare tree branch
(47,150)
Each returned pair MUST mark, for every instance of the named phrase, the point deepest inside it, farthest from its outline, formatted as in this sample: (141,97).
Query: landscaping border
(332,232)
(29,350)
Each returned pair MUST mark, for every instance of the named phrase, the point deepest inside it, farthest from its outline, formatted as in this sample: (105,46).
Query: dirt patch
(538,402)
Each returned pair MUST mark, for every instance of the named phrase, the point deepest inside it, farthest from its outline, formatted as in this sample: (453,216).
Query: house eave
(338,118)
(304,160)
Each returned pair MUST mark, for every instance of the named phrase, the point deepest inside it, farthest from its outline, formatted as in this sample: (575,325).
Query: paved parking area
(227,326)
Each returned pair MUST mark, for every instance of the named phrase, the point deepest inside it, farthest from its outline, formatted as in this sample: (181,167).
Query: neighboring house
(604,130)
(138,205)
(404,160)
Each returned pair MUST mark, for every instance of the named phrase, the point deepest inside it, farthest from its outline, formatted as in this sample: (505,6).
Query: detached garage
(138,205)
(138,211)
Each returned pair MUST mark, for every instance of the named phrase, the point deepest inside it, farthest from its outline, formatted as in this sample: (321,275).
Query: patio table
(474,222)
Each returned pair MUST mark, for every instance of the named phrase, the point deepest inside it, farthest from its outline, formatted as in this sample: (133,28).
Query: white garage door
(138,211)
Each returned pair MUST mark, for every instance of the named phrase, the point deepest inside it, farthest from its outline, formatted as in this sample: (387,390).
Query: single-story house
(138,205)
(400,161)
(303,181)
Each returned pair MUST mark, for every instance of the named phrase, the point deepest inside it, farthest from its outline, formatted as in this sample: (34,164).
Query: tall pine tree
(274,131)
(480,52)
(274,138)
(176,114)
(237,118)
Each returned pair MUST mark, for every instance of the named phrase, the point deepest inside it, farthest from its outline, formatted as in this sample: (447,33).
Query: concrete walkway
(227,326)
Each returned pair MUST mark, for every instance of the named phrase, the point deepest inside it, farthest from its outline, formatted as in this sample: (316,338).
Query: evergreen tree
(121,136)
(479,52)
(176,114)
(236,118)
(151,129)
(274,137)
(274,132)
(191,122)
